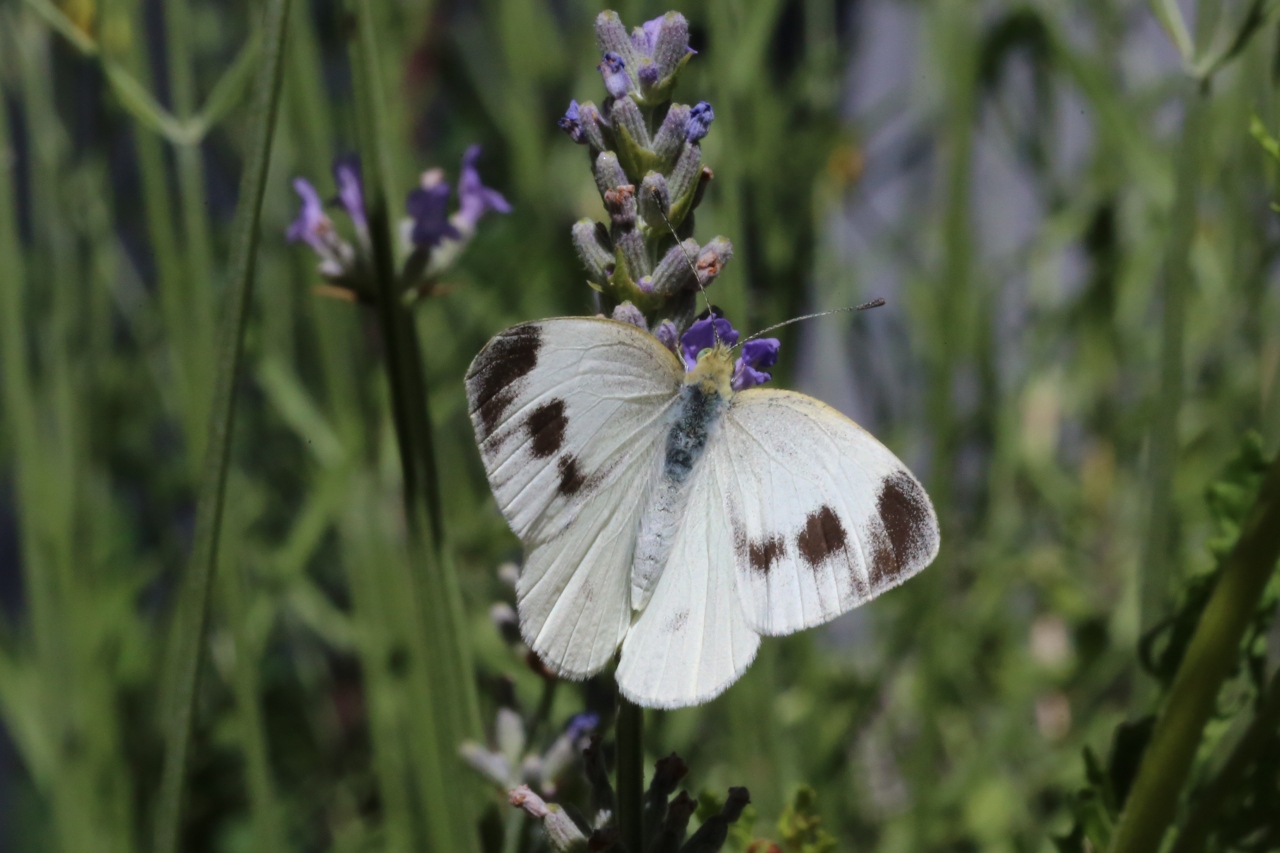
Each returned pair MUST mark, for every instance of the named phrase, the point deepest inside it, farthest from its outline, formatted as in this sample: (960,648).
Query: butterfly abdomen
(696,415)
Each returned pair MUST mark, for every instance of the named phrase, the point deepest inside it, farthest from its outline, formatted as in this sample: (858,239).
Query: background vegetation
(1064,203)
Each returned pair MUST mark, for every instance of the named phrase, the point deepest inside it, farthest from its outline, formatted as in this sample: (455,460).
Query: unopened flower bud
(667,773)
(704,178)
(631,315)
(630,244)
(671,45)
(597,776)
(611,36)
(671,837)
(624,115)
(675,271)
(670,137)
(711,836)
(595,250)
(609,172)
(621,204)
(655,200)
(594,127)
(684,175)
(712,258)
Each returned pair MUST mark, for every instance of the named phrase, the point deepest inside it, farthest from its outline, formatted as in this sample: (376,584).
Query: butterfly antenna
(696,278)
(874,303)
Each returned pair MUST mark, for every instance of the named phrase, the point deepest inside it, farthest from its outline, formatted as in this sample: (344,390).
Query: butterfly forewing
(823,516)
(570,415)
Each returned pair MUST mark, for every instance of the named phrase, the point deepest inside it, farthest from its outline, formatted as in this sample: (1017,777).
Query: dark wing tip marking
(508,358)
(571,478)
(546,425)
(904,512)
(762,554)
(822,536)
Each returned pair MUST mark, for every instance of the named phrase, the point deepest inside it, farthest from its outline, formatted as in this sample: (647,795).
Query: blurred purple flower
(314,227)
(699,121)
(346,174)
(713,329)
(582,724)
(427,207)
(474,198)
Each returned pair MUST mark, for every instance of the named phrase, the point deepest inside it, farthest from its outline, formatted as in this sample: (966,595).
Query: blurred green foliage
(1027,391)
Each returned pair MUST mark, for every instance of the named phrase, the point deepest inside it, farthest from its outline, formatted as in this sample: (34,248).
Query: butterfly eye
(703,352)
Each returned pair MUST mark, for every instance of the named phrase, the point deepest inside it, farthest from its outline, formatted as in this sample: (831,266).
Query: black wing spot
(546,427)
(763,554)
(904,513)
(498,368)
(823,535)
(571,478)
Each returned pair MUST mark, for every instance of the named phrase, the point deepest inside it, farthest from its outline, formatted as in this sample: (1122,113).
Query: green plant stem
(1208,801)
(450,712)
(630,774)
(183,671)
(1209,659)
(1159,559)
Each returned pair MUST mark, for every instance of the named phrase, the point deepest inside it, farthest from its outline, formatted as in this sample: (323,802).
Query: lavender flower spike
(314,227)
(699,121)
(474,198)
(346,174)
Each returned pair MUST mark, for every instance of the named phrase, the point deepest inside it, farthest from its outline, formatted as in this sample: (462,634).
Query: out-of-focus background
(1004,174)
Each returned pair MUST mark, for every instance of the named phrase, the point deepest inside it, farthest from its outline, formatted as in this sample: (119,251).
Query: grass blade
(192,616)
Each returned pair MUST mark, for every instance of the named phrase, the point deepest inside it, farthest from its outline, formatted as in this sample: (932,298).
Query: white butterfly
(666,512)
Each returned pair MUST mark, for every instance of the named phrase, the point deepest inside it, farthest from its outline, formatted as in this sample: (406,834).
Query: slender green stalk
(1210,658)
(1208,801)
(198,298)
(183,672)
(1158,558)
(447,692)
(630,774)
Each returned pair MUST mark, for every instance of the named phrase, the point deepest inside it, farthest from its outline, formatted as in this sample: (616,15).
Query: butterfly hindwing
(692,640)
(823,516)
(570,417)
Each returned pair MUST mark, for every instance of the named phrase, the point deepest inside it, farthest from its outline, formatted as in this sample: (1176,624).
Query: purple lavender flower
(614,72)
(699,121)
(427,207)
(762,352)
(713,329)
(645,37)
(571,124)
(704,334)
(346,174)
(667,335)
(474,198)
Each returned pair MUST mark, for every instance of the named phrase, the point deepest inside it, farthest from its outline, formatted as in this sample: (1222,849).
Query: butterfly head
(713,372)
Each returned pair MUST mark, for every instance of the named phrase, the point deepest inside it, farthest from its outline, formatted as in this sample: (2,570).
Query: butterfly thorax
(713,373)
(703,397)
